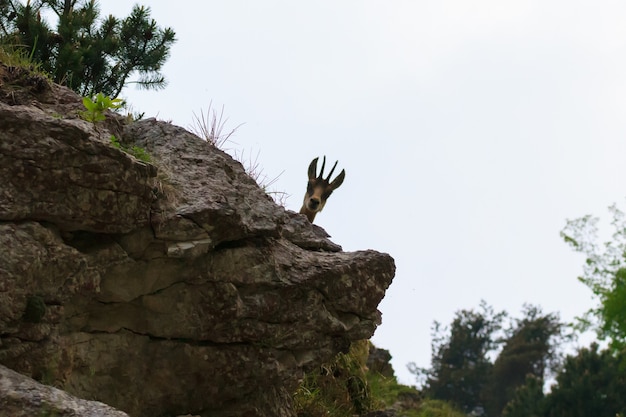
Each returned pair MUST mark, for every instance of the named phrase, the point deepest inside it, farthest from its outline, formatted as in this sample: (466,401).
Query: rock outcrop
(21,396)
(162,288)
(379,360)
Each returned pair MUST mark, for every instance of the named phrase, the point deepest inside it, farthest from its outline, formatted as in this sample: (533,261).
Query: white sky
(469,131)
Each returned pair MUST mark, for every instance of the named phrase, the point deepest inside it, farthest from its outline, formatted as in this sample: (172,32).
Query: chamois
(319,189)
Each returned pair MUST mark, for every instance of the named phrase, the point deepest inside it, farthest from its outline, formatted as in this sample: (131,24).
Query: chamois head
(319,189)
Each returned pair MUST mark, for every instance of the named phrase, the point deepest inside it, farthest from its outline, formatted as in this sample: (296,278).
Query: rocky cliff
(162,288)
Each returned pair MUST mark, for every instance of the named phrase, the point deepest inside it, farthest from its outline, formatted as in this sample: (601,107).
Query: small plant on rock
(338,388)
(97,105)
(211,127)
(136,151)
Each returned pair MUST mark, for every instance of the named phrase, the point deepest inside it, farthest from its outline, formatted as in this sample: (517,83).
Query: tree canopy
(604,272)
(591,383)
(459,363)
(529,350)
(85,53)
(462,372)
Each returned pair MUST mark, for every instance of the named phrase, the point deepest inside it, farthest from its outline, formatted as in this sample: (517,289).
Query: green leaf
(97,105)
(89,104)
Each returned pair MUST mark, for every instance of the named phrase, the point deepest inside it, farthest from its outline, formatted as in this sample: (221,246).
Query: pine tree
(528,400)
(529,350)
(592,383)
(85,53)
(460,366)
(462,373)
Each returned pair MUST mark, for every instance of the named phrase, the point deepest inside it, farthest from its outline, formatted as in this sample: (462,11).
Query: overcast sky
(469,132)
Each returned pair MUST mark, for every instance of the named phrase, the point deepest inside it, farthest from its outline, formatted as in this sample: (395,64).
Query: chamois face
(319,189)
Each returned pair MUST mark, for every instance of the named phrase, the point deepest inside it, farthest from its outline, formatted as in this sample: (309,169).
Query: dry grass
(253,168)
(210,126)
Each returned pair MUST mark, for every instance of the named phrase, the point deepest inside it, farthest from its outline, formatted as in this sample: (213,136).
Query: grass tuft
(253,168)
(210,127)
(13,56)
(338,388)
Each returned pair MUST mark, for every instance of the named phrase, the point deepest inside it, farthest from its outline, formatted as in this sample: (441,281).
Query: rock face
(379,360)
(162,288)
(21,396)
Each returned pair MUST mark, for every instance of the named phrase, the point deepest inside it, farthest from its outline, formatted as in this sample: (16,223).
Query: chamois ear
(313,169)
(338,181)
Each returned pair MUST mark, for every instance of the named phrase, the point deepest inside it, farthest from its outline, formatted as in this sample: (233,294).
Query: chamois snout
(319,189)
(313,203)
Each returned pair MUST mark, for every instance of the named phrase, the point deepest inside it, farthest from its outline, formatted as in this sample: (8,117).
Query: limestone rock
(55,170)
(379,360)
(21,396)
(165,288)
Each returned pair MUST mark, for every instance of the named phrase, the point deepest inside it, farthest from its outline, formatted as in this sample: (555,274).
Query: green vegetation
(94,112)
(35,309)
(83,52)
(529,349)
(460,366)
(21,78)
(345,387)
(408,401)
(435,408)
(97,105)
(136,151)
(387,390)
(337,389)
(19,58)
(591,383)
(462,372)
(604,272)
